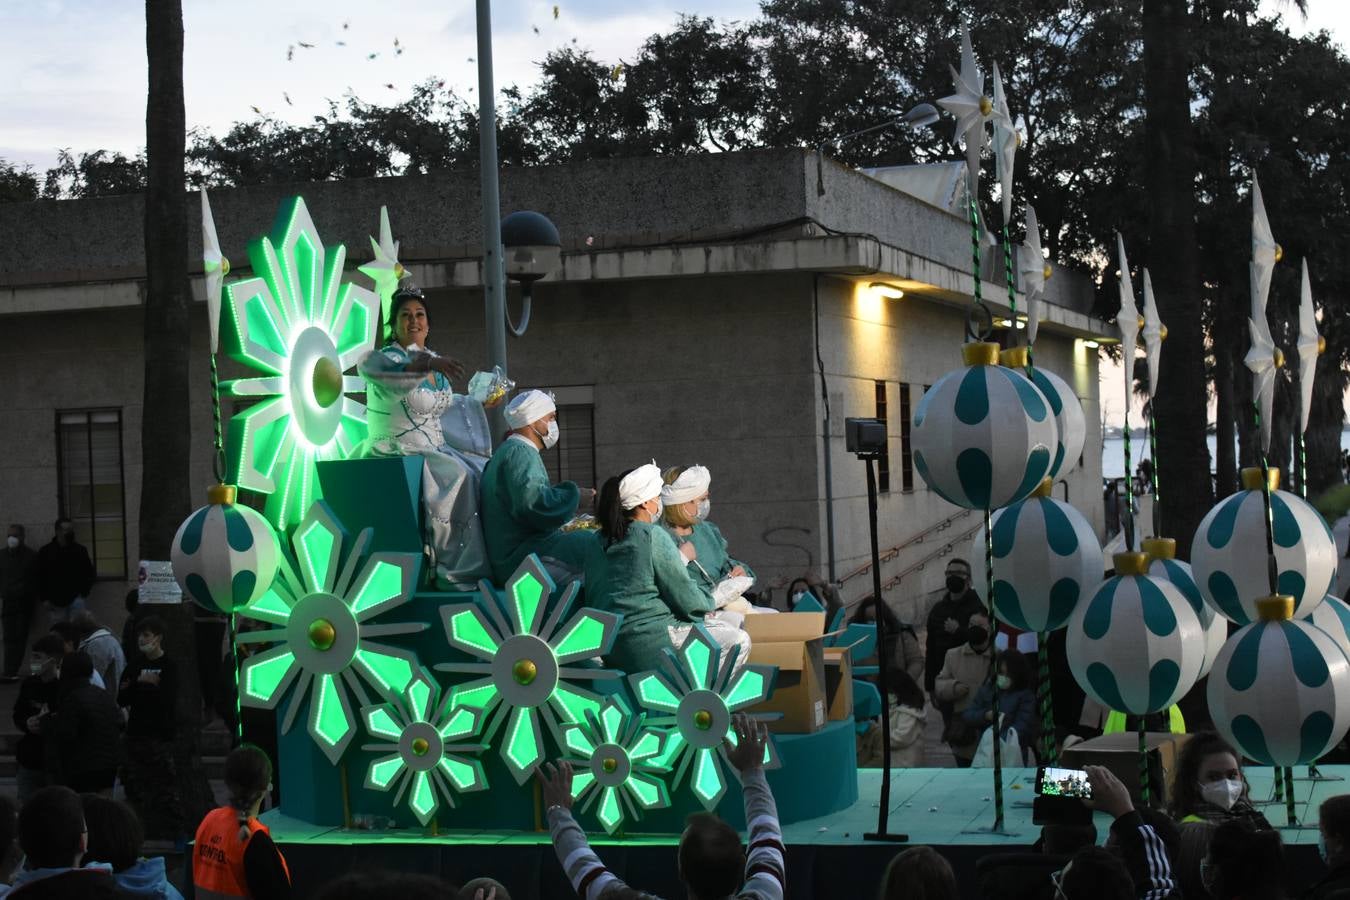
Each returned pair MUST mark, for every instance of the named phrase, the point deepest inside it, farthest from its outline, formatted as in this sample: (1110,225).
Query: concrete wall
(864,340)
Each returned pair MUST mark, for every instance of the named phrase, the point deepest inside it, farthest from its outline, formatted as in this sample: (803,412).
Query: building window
(883,461)
(573,457)
(906,450)
(92,487)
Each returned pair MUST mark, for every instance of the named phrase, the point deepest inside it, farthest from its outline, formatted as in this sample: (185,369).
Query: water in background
(1113,453)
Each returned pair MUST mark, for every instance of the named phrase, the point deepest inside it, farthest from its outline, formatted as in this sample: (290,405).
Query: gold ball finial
(1159,548)
(420,746)
(1275,608)
(982,353)
(221,494)
(1279,358)
(1162,332)
(1130,563)
(524,671)
(322,634)
(1019,140)
(1321,345)
(702,720)
(399,271)
(986,106)
(327,382)
(1279,253)
(1047,271)
(1140,320)
(609,764)
(1252,481)
(224,267)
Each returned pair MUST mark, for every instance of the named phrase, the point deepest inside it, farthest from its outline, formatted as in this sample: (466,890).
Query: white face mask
(12,541)
(1222,794)
(704,507)
(660,507)
(549,437)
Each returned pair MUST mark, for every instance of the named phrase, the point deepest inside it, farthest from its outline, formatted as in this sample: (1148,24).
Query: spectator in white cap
(685,514)
(522,510)
(641,574)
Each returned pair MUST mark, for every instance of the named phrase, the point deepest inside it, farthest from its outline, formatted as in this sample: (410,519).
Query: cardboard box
(1120,753)
(839,682)
(795,643)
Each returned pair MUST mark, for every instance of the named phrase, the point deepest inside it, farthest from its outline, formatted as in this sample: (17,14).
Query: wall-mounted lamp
(1091,345)
(885,290)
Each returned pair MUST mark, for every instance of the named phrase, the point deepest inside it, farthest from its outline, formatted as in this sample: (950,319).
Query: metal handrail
(892,552)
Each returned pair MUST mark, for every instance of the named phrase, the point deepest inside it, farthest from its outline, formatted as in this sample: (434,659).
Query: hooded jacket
(147,878)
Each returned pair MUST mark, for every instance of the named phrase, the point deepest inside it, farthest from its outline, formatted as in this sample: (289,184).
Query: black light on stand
(866,439)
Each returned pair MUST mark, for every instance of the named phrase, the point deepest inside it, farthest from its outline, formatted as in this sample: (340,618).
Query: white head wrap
(640,485)
(692,484)
(531,406)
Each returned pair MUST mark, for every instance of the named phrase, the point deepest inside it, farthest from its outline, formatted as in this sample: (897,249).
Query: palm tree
(165,422)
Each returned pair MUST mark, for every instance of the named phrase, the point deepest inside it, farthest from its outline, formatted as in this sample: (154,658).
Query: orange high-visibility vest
(218,857)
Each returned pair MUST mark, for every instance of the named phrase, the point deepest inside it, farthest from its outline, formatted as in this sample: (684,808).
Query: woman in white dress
(412,409)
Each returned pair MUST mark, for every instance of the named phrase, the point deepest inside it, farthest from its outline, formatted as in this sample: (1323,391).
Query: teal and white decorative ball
(1228,554)
(1135,645)
(1046,560)
(1069,420)
(225,555)
(1280,692)
(1332,615)
(1215,626)
(984,436)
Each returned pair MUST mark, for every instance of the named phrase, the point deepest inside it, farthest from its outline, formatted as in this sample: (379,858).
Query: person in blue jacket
(1016,701)
(115,837)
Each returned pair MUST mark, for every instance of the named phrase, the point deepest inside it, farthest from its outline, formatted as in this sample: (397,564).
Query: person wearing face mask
(1016,702)
(946,623)
(684,512)
(1333,845)
(37,697)
(964,669)
(523,511)
(639,572)
(410,402)
(18,598)
(1209,785)
(65,573)
(149,694)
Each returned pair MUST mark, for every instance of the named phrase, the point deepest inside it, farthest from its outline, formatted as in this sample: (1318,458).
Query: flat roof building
(718,309)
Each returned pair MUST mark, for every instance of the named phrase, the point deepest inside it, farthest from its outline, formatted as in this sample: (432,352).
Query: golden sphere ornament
(524,671)
(609,764)
(327,382)
(986,106)
(420,746)
(703,720)
(322,634)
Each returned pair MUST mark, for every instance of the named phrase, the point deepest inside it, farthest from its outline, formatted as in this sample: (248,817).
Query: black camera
(865,437)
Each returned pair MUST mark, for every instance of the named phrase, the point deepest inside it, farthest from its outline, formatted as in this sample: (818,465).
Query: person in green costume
(685,507)
(641,574)
(523,511)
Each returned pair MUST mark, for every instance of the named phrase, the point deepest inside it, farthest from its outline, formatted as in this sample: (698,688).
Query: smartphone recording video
(1069,783)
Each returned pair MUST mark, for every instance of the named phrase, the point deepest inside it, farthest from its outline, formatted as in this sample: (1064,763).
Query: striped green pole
(1143,763)
(993,668)
(1049,751)
(218,463)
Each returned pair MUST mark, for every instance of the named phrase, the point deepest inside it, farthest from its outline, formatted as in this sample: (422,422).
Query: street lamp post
(494,275)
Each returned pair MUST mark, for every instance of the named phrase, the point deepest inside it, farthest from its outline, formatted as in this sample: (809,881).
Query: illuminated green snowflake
(699,690)
(300,324)
(526,661)
(322,641)
(614,751)
(425,758)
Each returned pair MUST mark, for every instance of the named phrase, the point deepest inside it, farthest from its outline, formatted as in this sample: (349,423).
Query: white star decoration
(1153,335)
(385,269)
(1127,318)
(1260,360)
(1265,252)
(1032,267)
(1005,145)
(1309,345)
(216,267)
(971,108)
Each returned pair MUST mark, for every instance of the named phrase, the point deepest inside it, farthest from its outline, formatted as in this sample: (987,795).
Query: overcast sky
(72,72)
